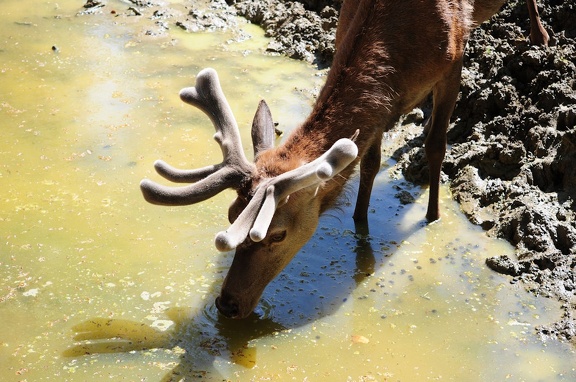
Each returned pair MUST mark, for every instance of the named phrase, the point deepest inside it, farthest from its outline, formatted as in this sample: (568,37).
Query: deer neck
(346,104)
(359,95)
(356,97)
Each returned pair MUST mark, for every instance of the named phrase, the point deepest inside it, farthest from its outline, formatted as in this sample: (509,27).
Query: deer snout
(228,306)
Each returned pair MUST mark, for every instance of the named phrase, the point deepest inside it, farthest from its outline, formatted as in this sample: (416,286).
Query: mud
(511,162)
(512,158)
(302,30)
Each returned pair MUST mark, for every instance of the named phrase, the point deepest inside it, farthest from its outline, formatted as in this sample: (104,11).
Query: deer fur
(390,56)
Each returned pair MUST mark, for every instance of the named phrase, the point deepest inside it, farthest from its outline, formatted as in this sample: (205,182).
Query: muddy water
(98,285)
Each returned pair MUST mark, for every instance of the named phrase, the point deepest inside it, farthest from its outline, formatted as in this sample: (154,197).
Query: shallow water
(99,285)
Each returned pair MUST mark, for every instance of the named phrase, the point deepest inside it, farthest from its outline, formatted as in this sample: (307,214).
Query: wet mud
(512,156)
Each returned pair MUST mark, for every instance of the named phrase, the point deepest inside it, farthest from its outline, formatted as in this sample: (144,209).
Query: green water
(96,284)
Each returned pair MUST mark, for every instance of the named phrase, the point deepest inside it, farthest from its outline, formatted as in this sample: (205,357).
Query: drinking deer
(390,56)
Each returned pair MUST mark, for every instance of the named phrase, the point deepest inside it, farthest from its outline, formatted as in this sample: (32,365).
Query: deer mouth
(235,307)
(228,307)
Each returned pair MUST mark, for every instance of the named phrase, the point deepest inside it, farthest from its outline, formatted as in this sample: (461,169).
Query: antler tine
(207,95)
(238,231)
(323,168)
(208,181)
(181,196)
(257,216)
(183,176)
(336,159)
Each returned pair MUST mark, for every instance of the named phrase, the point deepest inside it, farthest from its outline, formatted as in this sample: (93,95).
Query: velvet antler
(208,181)
(257,216)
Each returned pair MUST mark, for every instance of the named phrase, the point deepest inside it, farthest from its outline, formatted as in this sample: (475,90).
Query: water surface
(99,285)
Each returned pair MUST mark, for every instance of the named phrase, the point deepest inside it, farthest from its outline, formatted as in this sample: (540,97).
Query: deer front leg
(538,34)
(369,167)
(445,95)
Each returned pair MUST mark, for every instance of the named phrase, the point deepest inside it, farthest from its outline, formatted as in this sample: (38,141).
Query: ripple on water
(263,312)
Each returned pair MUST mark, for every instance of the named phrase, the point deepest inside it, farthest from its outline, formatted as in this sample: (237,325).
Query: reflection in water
(365,260)
(186,334)
(394,310)
(181,334)
(98,285)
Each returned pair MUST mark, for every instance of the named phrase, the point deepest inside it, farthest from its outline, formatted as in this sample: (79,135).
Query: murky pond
(96,284)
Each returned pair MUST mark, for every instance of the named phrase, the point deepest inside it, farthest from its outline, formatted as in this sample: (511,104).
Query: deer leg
(445,95)
(369,167)
(538,34)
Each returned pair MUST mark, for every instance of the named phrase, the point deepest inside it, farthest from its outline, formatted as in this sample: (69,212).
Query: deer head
(276,211)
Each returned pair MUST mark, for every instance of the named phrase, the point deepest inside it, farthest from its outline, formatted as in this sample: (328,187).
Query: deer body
(390,56)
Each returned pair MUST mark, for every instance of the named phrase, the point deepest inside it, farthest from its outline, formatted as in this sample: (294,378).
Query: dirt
(511,162)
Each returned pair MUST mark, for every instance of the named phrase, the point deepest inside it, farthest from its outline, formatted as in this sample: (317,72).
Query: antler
(258,214)
(255,220)
(208,181)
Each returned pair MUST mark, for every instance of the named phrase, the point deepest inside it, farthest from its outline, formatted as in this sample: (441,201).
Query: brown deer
(390,56)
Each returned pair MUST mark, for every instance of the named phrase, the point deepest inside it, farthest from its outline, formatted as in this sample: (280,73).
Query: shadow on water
(188,336)
(315,284)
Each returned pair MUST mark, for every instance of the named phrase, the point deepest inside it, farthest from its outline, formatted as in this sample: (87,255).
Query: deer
(390,55)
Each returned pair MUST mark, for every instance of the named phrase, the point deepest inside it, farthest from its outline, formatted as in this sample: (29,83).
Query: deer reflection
(200,337)
(186,335)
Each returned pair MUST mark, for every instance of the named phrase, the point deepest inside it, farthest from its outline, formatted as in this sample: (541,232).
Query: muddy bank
(512,157)
(512,161)
(301,30)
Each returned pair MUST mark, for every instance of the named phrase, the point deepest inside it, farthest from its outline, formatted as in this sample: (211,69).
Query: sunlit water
(96,284)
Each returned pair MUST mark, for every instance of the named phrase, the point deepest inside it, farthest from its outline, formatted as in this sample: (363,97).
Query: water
(96,284)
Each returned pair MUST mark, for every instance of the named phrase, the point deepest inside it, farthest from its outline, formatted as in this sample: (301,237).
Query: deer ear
(263,133)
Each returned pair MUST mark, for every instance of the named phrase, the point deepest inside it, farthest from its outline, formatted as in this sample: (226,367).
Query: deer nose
(228,306)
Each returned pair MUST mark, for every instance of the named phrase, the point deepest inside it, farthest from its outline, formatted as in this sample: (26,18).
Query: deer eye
(278,236)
